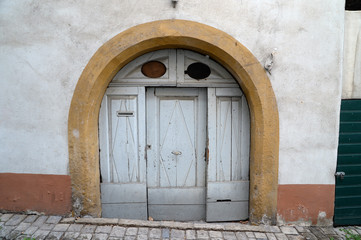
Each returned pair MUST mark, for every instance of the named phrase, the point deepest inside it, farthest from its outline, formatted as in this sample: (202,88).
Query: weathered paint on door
(348,187)
(228,170)
(153,143)
(122,144)
(176,138)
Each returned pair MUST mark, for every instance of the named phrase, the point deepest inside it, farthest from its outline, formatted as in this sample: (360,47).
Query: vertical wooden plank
(168,133)
(224,140)
(180,67)
(201,114)
(172,66)
(245,139)
(103,140)
(141,134)
(236,138)
(152,139)
(212,135)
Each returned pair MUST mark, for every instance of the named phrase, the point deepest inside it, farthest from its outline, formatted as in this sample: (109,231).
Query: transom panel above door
(176,63)
(174,140)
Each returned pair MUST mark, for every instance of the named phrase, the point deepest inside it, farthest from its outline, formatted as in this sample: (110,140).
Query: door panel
(176,135)
(226,211)
(228,167)
(125,210)
(178,212)
(176,195)
(122,143)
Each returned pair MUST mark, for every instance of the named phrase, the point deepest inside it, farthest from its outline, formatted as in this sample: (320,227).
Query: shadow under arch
(128,45)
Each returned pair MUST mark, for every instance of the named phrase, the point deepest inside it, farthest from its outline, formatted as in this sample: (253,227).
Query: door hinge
(207,155)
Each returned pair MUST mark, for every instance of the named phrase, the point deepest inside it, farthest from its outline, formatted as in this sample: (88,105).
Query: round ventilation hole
(153,69)
(198,70)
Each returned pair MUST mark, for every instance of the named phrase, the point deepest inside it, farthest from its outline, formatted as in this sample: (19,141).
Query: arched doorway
(125,47)
(174,140)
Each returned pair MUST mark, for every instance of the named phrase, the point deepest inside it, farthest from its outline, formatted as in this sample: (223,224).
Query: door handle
(177,152)
(340,175)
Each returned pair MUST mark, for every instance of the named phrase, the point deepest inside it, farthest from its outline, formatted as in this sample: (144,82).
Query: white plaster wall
(45,45)
(351,87)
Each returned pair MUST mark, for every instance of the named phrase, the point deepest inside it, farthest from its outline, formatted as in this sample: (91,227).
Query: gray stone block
(281,236)
(54,236)
(15,220)
(142,237)
(250,235)
(117,231)
(47,226)
(30,218)
(260,236)
(88,229)
(143,231)
(215,234)
(202,234)
(85,236)
(177,233)
(191,234)
(241,236)
(97,221)
(70,235)
(132,231)
(165,233)
(61,227)
(155,233)
(103,229)
(271,236)
(130,237)
(6,217)
(23,226)
(53,219)
(13,234)
(31,230)
(40,234)
(75,227)
(229,236)
(68,220)
(288,230)
(40,221)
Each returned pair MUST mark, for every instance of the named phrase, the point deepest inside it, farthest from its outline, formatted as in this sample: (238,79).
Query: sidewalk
(21,226)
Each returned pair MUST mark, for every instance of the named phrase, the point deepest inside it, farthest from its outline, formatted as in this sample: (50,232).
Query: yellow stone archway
(126,46)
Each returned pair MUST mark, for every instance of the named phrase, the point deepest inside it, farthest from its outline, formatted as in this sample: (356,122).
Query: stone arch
(126,46)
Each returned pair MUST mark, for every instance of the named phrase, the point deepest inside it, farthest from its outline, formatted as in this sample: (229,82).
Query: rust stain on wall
(50,194)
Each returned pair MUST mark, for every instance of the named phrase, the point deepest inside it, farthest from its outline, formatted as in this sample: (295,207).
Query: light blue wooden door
(176,138)
(122,144)
(228,163)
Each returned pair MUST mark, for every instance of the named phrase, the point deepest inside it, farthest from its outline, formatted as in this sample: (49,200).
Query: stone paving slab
(21,226)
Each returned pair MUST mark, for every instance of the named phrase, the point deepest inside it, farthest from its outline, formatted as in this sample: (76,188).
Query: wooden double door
(174,153)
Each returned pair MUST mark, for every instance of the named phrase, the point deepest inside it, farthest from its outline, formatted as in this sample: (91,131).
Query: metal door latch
(340,175)
(177,152)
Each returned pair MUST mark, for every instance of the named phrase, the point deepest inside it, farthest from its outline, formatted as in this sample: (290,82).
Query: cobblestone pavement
(21,226)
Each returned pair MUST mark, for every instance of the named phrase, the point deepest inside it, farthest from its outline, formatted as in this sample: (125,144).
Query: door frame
(126,46)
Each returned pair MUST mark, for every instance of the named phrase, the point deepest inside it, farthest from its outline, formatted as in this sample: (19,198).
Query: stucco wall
(351,87)
(45,45)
